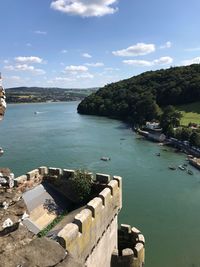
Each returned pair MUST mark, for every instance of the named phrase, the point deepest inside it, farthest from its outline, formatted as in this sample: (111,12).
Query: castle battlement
(131,249)
(81,236)
(92,237)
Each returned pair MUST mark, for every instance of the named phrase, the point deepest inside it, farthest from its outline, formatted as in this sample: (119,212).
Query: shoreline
(51,102)
(178,148)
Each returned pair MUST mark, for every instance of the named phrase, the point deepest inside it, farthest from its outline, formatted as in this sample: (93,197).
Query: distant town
(40,94)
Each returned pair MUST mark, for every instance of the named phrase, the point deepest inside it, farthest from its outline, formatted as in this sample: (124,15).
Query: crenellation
(126,228)
(141,239)
(130,252)
(113,185)
(68,235)
(96,223)
(32,175)
(68,173)
(83,220)
(103,178)
(55,171)
(20,180)
(95,205)
(105,195)
(43,170)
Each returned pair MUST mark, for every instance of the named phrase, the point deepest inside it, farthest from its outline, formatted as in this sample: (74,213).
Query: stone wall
(131,251)
(92,238)
(93,226)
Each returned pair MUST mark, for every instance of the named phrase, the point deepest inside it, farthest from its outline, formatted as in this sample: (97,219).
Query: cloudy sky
(89,43)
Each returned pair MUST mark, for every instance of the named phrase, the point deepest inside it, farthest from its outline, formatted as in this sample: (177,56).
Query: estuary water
(163,204)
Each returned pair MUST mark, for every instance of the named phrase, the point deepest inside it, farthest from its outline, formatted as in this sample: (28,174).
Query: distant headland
(44,94)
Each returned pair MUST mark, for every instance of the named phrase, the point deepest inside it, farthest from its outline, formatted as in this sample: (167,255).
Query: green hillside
(190,112)
(142,97)
(41,94)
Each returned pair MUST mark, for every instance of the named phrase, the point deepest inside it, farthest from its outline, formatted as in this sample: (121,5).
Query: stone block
(103,178)
(95,205)
(20,180)
(105,195)
(113,185)
(43,170)
(125,228)
(68,235)
(34,174)
(68,173)
(84,220)
(55,171)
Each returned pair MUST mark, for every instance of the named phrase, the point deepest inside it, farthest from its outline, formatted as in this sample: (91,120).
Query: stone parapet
(81,237)
(131,251)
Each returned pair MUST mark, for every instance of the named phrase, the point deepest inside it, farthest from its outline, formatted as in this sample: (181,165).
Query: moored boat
(190,172)
(181,167)
(172,168)
(1,151)
(105,158)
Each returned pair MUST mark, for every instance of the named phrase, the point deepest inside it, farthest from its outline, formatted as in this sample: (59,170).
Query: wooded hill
(142,97)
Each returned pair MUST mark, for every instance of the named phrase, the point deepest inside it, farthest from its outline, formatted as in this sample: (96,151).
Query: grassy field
(191,113)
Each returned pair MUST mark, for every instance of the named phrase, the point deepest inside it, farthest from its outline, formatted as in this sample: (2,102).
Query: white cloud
(111,69)
(97,64)
(40,32)
(195,60)
(166,45)
(64,79)
(76,69)
(6,61)
(30,59)
(163,61)
(85,8)
(29,44)
(86,55)
(140,49)
(146,63)
(25,67)
(64,51)
(142,63)
(86,75)
(76,72)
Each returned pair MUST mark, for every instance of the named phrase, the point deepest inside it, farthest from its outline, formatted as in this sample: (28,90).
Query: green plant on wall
(81,184)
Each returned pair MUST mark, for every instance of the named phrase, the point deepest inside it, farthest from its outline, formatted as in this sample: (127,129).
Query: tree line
(144,97)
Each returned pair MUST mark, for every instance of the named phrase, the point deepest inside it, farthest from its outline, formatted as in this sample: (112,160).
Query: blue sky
(89,43)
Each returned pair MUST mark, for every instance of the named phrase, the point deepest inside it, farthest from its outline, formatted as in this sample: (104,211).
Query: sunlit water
(163,204)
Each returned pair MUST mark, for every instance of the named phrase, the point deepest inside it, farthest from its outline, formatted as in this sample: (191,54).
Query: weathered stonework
(92,238)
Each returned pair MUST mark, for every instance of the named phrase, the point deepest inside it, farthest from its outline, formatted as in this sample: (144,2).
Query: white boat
(1,151)
(182,168)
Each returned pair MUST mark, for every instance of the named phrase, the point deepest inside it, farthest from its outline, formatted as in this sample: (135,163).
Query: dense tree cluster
(170,119)
(142,97)
(187,134)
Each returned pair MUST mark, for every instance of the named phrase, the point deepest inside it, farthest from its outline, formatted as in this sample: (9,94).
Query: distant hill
(40,94)
(142,97)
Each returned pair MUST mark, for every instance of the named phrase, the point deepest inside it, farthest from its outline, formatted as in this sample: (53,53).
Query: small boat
(172,168)
(1,151)
(36,112)
(158,154)
(181,167)
(185,164)
(105,158)
(190,172)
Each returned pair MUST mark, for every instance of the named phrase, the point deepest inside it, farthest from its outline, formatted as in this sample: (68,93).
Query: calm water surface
(163,204)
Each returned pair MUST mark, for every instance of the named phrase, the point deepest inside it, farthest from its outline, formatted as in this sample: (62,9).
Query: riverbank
(180,146)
